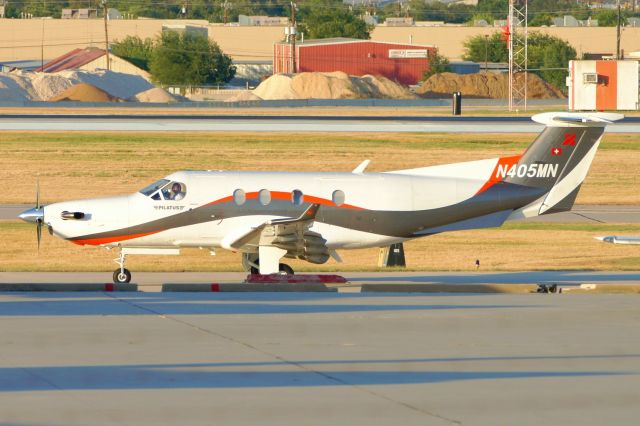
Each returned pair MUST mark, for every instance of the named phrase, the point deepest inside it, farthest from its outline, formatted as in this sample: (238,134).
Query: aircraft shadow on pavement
(99,305)
(210,376)
(527,277)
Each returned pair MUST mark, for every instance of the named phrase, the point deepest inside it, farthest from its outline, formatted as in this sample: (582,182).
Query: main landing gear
(121,275)
(283,268)
(251,263)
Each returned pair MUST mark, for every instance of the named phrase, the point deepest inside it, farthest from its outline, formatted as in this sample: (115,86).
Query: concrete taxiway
(283,123)
(292,359)
(151,281)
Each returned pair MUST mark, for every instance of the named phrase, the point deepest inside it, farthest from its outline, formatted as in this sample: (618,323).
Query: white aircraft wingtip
(360,169)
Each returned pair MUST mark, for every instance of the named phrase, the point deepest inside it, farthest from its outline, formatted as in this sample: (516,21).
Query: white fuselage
(387,192)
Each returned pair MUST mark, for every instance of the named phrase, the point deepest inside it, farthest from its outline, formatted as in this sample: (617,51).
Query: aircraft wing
(620,240)
(290,234)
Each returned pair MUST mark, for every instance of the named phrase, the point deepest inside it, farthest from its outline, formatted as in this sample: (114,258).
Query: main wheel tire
(121,277)
(285,269)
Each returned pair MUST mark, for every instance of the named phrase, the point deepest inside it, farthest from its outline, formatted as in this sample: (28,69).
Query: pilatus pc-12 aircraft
(270,215)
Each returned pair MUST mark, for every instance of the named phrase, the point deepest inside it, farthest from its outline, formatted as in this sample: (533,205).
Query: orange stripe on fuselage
(115,239)
(494,178)
(278,195)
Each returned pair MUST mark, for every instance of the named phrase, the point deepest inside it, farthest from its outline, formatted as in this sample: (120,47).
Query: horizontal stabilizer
(579,119)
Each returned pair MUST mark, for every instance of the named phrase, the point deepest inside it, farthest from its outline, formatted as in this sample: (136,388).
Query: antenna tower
(518,35)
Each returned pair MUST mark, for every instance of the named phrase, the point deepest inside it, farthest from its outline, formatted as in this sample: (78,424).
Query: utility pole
(42,48)
(618,32)
(292,35)
(486,51)
(226,6)
(106,32)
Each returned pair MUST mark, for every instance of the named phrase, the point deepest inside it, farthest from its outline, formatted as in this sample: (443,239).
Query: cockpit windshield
(165,190)
(154,187)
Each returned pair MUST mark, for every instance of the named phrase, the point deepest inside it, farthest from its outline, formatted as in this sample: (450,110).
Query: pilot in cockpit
(176,192)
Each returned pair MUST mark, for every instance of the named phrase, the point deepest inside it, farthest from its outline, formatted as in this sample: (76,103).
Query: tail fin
(559,159)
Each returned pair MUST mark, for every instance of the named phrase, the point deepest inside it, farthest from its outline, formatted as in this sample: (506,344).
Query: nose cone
(32,215)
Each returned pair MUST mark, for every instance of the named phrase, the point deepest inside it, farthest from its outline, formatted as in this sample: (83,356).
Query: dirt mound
(333,85)
(154,95)
(84,92)
(244,96)
(483,85)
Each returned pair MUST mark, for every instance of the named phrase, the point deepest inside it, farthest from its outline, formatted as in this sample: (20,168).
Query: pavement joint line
(587,217)
(42,378)
(282,359)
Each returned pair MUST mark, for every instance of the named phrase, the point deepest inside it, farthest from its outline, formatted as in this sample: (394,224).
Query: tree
(480,48)
(549,56)
(134,50)
(437,65)
(331,18)
(609,18)
(189,59)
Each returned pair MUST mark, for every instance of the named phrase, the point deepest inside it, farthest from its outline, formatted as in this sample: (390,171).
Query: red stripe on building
(607,88)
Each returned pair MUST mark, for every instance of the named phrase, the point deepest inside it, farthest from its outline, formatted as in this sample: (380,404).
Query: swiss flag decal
(556,151)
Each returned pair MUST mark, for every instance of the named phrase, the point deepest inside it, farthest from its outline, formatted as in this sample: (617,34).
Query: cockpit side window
(154,187)
(166,190)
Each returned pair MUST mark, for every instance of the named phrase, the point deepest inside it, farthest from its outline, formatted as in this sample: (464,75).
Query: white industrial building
(604,85)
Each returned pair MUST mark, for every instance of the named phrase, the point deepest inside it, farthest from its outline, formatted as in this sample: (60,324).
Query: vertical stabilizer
(559,159)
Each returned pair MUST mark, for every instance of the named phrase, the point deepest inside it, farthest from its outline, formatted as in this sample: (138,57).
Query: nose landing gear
(121,275)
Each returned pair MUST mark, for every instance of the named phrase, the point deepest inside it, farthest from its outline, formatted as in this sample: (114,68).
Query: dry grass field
(82,165)
(78,165)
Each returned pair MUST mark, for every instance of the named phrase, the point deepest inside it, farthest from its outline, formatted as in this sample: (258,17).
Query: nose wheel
(121,275)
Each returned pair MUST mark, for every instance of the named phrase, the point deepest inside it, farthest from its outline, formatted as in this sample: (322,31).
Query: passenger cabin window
(165,190)
(338,197)
(239,197)
(297,198)
(264,196)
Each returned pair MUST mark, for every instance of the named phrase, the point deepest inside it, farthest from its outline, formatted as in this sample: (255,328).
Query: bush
(437,65)
(189,59)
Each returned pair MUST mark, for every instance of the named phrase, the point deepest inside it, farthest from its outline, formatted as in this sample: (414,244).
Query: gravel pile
(19,86)
(334,85)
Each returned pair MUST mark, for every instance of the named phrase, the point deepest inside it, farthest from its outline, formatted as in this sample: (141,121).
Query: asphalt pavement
(284,123)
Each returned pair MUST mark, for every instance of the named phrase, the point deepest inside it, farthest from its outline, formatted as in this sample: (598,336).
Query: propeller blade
(39,232)
(38,193)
